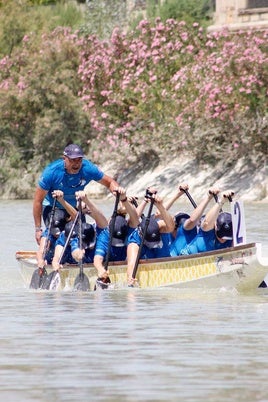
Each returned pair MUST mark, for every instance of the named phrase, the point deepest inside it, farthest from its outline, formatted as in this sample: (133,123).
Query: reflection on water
(128,345)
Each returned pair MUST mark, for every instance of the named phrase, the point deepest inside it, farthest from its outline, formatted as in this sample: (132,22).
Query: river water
(128,345)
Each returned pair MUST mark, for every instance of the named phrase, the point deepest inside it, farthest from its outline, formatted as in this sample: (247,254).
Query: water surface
(128,345)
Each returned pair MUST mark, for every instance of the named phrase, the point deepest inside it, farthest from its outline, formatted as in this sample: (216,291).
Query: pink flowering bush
(167,87)
(160,84)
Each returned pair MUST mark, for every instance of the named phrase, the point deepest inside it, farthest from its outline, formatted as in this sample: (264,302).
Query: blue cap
(73,151)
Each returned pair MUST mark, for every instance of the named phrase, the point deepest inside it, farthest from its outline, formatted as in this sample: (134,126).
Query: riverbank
(249,183)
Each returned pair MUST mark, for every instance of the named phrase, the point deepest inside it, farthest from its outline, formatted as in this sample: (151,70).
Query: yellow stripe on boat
(237,267)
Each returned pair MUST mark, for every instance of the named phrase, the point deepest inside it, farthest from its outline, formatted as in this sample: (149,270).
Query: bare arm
(129,208)
(39,254)
(109,182)
(68,207)
(78,254)
(98,263)
(198,211)
(167,224)
(39,196)
(141,207)
(178,194)
(211,216)
(57,256)
(95,212)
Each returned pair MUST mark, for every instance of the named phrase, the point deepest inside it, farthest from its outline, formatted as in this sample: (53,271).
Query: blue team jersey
(158,252)
(183,238)
(205,241)
(55,177)
(116,253)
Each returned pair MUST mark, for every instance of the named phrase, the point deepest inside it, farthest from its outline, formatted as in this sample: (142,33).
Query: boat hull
(237,267)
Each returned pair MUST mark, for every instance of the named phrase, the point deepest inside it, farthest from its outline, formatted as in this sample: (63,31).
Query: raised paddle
(81,282)
(112,225)
(147,220)
(189,197)
(99,282)
(40,274)
(53,281)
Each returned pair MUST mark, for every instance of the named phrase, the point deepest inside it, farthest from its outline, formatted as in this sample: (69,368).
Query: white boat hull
(237,267)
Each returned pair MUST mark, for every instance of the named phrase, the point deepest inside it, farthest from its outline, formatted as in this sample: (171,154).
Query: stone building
(240,14)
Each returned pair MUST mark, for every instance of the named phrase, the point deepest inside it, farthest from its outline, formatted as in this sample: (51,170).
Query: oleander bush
(178,89)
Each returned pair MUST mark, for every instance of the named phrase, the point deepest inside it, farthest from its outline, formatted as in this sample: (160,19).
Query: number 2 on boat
(239,224)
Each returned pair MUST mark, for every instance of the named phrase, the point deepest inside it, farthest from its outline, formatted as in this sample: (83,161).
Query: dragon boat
(241,267)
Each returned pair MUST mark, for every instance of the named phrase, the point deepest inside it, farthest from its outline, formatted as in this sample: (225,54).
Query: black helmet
(120,231)
(58,221)
(224,226)
(180,218)
(152,237)
(68,228)
(88,235)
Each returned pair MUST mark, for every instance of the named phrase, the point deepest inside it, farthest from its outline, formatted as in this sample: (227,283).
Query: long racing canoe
(241,267)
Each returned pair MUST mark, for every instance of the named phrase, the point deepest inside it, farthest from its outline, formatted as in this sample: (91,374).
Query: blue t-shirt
(116,253)
(183,238)
(55,177)
(159,252)
(205,241)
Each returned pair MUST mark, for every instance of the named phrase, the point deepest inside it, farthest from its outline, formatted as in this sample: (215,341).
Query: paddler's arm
(39,196)
(92,210)
(169,225)
(98,263)
(180,191)
(57,255)
(68,207)
(109,182)
(196,215)
(211,217)
(40,252)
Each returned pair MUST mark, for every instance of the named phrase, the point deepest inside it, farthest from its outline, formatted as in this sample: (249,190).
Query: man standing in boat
(69,174)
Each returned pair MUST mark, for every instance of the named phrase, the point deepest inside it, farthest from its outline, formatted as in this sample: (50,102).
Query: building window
(257,3)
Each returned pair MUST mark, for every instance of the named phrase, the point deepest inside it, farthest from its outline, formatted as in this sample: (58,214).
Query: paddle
(100,283)
(81,282)
(189,197)
(40,274)
(147,220)
(53,281)
(112,225)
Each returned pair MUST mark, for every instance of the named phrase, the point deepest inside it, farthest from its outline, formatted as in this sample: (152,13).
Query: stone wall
(240,14)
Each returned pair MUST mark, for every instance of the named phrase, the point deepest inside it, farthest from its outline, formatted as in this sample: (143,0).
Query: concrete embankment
(248,183)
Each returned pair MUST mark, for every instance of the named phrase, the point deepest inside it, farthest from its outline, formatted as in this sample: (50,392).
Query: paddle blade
(102,283)
(38,278)
(81,283)
(52,282)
